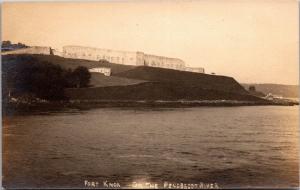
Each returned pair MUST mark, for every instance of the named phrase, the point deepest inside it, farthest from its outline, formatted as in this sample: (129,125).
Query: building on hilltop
(96,54)
(104,70)
(162,62)
(122,57)
(195,69)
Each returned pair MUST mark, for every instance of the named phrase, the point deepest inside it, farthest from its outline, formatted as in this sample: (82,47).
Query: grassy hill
(144,83)
(99,80)
(185,79)
(289,91)
(155,91)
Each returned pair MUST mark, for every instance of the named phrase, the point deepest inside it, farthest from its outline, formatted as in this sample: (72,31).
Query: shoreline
(11,108)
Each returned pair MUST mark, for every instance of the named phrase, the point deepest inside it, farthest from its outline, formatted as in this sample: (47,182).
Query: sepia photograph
(150,94)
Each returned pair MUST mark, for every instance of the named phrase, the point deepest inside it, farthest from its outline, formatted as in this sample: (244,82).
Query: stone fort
(113,56)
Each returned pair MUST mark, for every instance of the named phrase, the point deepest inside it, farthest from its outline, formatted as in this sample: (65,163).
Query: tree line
(41,79)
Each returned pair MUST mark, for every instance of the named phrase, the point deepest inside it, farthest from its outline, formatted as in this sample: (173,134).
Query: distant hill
(144,83)
(288,91)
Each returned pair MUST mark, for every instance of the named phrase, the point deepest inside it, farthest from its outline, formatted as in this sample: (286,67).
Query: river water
(255,146)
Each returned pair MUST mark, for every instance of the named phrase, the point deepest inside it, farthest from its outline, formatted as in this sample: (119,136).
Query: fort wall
(96,54)
(163,62)
(122,57)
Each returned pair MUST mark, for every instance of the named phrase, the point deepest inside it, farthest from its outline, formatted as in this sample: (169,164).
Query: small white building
(271,96)
(104,70)
(195,69)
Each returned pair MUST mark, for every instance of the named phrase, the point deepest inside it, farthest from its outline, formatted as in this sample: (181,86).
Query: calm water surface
(231,146)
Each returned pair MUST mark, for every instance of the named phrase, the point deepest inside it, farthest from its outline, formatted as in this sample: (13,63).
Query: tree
(80,77)
(43,79)
(6,43)
(252,88)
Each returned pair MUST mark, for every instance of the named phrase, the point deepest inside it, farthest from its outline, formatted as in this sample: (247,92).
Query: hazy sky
(252,41)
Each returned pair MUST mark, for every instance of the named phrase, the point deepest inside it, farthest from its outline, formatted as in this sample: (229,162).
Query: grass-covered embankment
(141,86)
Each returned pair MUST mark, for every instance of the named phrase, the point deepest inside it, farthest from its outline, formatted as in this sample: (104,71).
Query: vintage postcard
(185,94)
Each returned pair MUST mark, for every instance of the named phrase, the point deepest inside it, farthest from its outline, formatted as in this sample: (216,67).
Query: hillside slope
(155,91)
(144,83)
(186,79)
(99,80)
